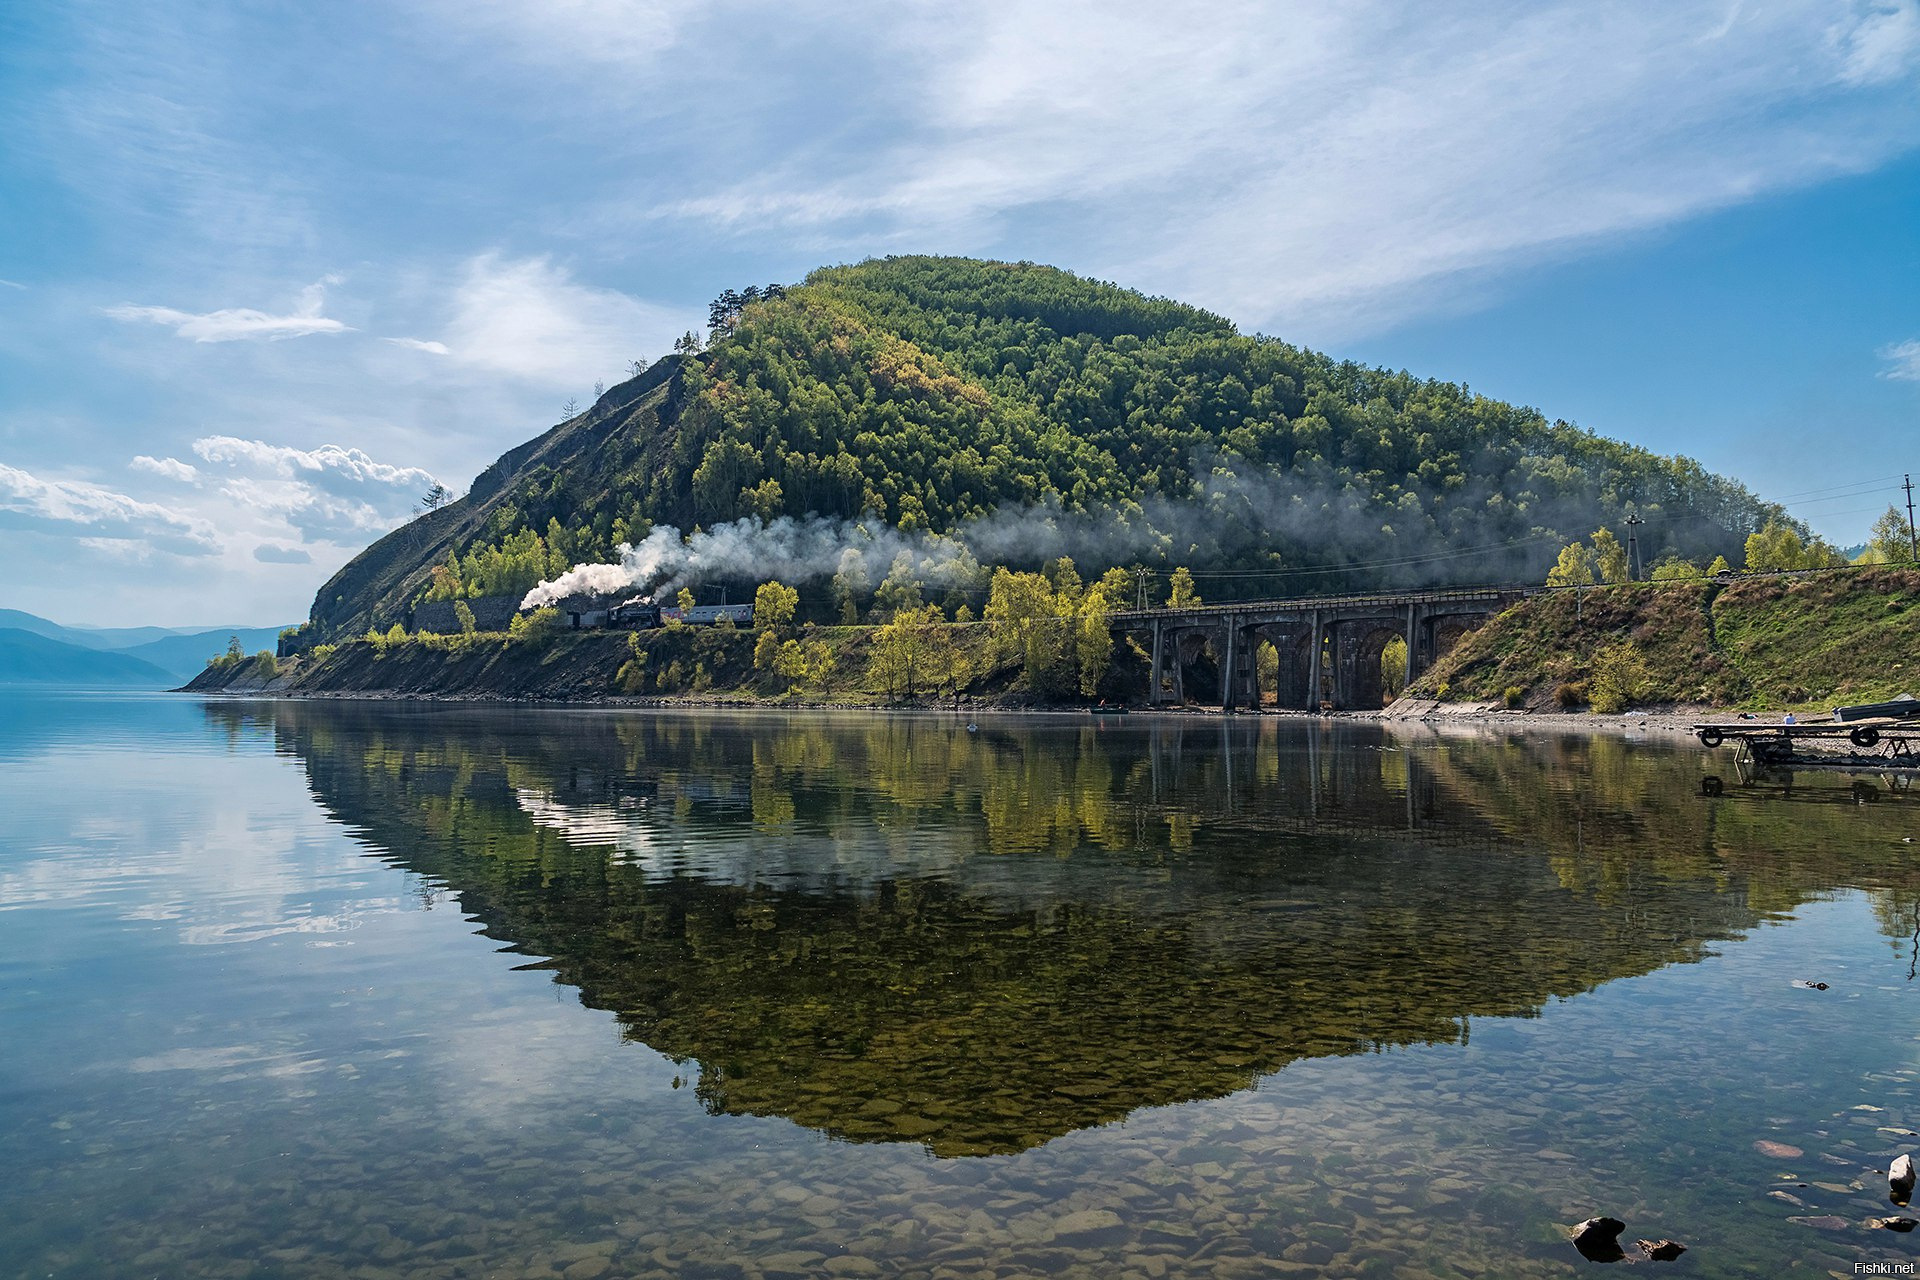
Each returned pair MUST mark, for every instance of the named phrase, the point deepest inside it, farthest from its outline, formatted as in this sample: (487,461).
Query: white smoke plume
(1310,520)
(785,549)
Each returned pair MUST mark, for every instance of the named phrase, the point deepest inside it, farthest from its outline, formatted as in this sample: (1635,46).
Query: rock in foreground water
(1598,1239)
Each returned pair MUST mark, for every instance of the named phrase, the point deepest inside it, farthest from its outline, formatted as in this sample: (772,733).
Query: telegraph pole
(1633,521)
(1913,544)
(1140,576)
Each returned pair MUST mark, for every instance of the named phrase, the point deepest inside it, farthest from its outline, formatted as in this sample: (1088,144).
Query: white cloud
(1903,361)
(271,553)
(234,324)
(1333,169)
(329,494)
(1882,45)
(75,509)
(529,319)
(419,344)
(11,284)
(167,468)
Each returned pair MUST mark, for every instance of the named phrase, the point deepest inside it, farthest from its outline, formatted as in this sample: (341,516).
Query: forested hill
(929,393)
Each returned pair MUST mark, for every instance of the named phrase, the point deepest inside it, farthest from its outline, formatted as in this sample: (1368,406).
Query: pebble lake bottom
(375,990)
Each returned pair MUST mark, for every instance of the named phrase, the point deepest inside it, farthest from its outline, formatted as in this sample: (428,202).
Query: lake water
(293,990)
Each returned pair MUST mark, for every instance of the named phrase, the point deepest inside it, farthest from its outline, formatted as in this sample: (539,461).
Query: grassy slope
(1817,640)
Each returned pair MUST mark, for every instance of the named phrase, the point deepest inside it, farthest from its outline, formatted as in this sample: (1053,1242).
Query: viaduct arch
(1329,647)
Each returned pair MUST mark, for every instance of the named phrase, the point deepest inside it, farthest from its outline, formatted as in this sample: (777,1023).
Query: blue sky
(267,270)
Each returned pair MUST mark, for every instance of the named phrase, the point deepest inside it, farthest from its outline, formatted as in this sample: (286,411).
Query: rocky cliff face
(378,587)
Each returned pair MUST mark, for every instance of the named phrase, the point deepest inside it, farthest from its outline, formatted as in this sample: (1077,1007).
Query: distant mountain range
(34,650)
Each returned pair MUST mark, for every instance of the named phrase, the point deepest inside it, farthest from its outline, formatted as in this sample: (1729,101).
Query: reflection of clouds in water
(860,855)
(255,931)
(493,1065)
(233,1062)
(661,847)
(143,837)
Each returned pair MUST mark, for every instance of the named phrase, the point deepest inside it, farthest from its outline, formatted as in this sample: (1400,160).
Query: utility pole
(1633,522)
(1140,576)
(1913,544)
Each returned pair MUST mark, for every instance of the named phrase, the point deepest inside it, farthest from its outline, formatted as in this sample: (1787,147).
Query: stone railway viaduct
(1329,647)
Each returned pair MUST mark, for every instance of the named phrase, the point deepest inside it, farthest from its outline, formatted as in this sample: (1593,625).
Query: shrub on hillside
(1619,679)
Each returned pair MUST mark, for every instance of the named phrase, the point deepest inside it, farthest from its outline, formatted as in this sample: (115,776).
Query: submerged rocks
(1900,1180)
(1598,1239)
(1893,1224)
(1087,1224)
(1778,1150)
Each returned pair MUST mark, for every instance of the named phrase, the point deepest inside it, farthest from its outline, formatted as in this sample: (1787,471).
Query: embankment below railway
(842,666)
(1812,640)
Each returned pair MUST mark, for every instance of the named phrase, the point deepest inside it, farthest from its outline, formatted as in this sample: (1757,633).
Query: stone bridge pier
(1328,649)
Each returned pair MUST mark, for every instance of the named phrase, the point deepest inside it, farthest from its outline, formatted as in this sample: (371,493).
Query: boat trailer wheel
(1711,737)
(1865,736)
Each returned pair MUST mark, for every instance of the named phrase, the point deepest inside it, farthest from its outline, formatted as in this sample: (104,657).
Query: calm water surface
(305,990)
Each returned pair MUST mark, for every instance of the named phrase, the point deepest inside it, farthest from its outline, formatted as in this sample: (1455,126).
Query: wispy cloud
(1880,45)
(528,318)
(329,494)
(272,553)
(79,510)
(1903,361)
(11,284)
(166,468)
(234,324)
(420,344)
(1334,169)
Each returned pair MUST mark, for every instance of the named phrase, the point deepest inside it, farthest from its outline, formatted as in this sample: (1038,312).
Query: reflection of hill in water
(890,929)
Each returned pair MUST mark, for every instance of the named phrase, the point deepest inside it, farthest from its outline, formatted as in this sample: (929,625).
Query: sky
(269,270)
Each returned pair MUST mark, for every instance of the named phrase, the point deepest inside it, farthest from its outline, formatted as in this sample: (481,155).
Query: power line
(1852,484)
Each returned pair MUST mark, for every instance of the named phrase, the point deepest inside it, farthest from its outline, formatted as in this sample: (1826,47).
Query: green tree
(632,676)
(1029,629)
(1180,589)
(766,499)
(1393,667)
(804,665)
(1889,543)
(1094,639)
(774,604)
(1777,546)
(1610,558)
(1718,567)
(901,647)
(534,628)
(1619,678)
(463,612)
(1675,569)
(945,661)
(766,650)
(1574,568)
